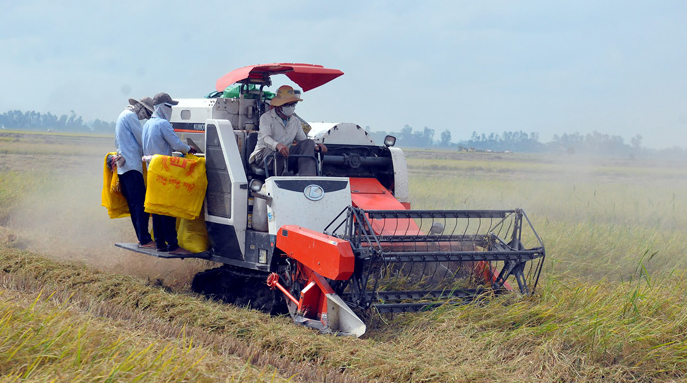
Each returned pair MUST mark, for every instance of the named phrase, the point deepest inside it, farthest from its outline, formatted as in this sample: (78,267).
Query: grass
(52,143)
(610,306)
(41,340)
(14,134)
(629,331)
(595,224)
(133,307)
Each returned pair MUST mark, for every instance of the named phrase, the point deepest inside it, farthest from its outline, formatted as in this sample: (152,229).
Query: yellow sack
(114,185)
(192,234)
(176,186)
(113,200)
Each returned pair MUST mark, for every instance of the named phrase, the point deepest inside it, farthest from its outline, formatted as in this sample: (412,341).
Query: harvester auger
(345,242)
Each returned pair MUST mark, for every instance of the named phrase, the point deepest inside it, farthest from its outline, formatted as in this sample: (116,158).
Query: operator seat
(254,169)
(251,141)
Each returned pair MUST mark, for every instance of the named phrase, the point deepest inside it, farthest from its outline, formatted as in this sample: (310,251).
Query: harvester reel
(415,260)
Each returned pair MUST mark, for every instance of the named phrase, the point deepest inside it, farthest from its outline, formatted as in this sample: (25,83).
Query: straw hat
(284,95)
(145,101)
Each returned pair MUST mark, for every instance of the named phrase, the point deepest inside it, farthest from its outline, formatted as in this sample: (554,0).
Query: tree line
(32,120)
(518,141)
(509,141)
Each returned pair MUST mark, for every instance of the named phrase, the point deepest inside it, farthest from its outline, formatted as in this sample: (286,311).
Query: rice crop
(627,331)
(44,341)
(597,220)
(609,307)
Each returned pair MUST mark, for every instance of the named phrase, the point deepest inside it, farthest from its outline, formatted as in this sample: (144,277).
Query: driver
(278,129)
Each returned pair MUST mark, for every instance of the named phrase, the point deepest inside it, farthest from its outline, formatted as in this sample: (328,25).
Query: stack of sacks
(111,196)
(176,186)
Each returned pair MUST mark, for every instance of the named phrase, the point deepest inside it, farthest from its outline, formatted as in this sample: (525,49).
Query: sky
(551,67)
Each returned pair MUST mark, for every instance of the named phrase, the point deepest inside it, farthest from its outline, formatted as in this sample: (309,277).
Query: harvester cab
(331,248)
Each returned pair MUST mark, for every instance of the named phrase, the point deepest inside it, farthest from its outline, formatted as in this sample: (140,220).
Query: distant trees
(594,142)
(445,138)
(518,141)
(636,141)
(99,126)
(407,137)
(424,138)
(32,120)
(509,141)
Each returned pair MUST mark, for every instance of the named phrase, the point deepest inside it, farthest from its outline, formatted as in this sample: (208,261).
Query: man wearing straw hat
(278,130)
(129,144)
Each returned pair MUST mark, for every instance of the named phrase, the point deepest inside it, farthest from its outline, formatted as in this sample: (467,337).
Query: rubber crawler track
(240,287)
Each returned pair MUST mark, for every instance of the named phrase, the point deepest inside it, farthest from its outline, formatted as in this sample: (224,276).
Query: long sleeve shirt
(159,138)
(273,131)
(128,141)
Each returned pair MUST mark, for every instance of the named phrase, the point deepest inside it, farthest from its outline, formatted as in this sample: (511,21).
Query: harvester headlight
(389,141)
(255,185)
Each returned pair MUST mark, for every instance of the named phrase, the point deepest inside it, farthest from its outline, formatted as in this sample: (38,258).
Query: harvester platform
(160,254)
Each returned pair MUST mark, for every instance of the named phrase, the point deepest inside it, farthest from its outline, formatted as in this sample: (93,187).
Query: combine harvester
(333,247)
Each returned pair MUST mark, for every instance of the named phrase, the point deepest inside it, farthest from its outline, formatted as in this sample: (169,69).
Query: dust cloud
(64,219)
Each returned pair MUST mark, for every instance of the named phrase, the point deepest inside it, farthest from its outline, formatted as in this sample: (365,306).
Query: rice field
(609,307)
(598,218)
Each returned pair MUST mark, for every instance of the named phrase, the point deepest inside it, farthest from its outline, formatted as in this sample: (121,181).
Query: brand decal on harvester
(313,192)
(200,127)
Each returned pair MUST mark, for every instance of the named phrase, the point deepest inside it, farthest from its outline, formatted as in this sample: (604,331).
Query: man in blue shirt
(128,141)
(159,138)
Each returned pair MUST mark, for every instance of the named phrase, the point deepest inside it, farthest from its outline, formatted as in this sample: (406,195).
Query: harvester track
(240,287)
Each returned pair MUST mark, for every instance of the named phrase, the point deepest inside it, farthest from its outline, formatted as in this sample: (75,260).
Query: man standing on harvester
(278,129)
(159,138)
(129,146)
